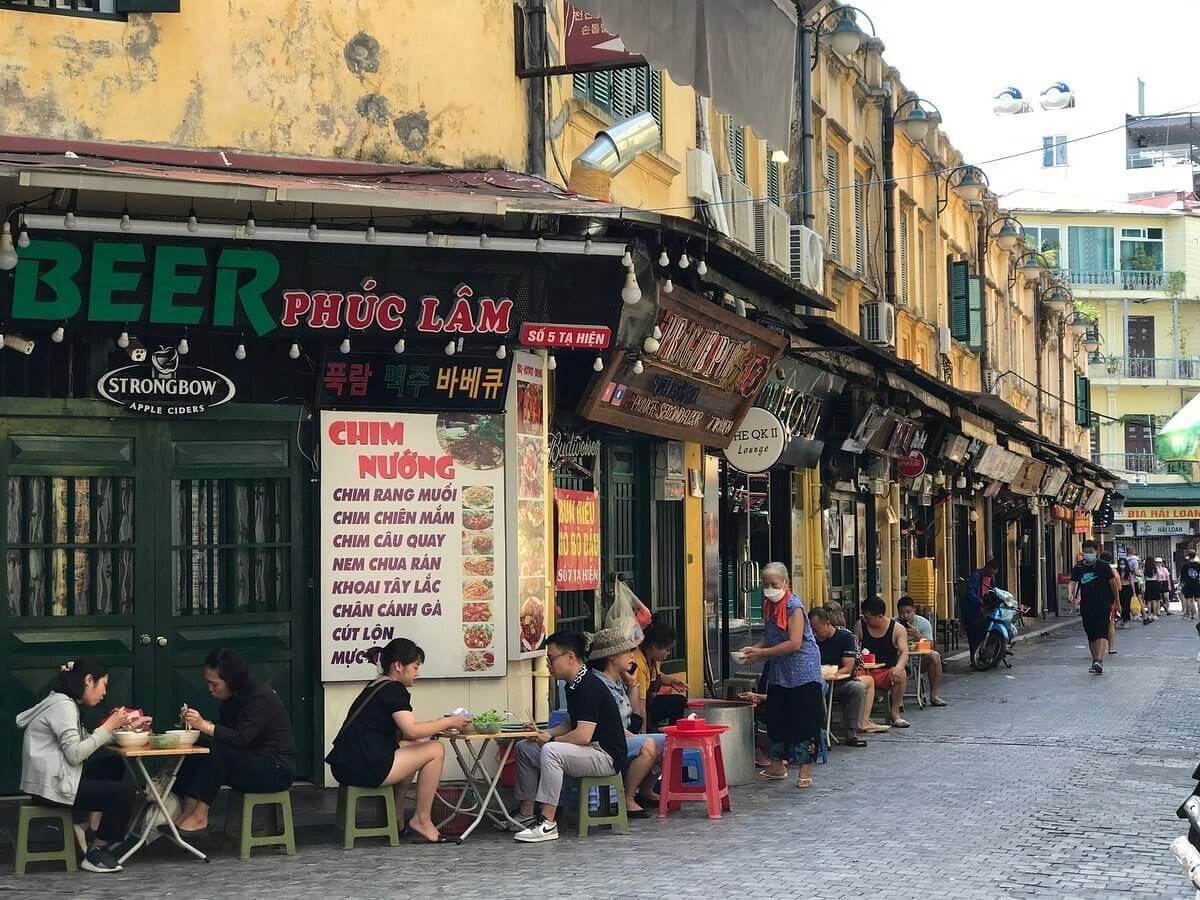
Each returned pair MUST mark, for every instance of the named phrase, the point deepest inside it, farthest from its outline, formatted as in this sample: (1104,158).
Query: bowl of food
(166,741)
(739,658)
(487,722)
(184,737)
(132,740)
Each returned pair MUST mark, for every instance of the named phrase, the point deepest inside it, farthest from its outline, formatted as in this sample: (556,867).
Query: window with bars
(623,92)
(903,251)
(833,196)
(774,177)
(735,143)
(860,234)
(70,546)
(99,9)
(230,545)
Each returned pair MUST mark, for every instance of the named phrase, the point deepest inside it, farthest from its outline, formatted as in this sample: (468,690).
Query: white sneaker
(1191,808)
(540,831)
(99,859)
(1189,858)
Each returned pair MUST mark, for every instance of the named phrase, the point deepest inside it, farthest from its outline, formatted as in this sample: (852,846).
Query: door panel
(1141,346)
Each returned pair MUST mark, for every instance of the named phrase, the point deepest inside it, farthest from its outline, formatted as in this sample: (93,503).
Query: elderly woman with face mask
(795,707)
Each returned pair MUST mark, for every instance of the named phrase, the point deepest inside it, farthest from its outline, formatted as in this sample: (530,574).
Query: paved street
(1049,783)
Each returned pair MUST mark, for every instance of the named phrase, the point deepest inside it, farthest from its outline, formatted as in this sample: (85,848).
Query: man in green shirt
(920,627)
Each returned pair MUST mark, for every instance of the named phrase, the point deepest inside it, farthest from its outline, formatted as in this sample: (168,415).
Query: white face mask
(773,594)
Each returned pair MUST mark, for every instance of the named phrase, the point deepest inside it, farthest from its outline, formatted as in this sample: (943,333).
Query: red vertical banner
(577,564)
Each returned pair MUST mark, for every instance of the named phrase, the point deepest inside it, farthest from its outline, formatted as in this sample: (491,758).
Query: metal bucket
(737,744)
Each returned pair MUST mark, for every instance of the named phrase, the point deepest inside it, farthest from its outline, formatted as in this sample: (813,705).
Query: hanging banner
(528,599)
(577,567)
(414,382)
(412,512)
(157,385)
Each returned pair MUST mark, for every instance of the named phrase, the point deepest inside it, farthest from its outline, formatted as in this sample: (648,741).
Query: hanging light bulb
(651,345)
(638,368)
(939,478)
(631,293)
(251,226)
(344,346)
(314,233)
(451,348)
(551,363)
(501,352)
(372,237)
(684,261)
(126,222)
(484,241)
(701,267)
(540,244)
(184,347)
(739,306)
(58,334)
(960,482)
(668,285)
(663,259)
(598,365)
(193,224)
(430,239)
(400,345)
(460,345)
(8,253)
(294,351)
(69,219)
(587,245)
(123,340)
(23,238)
(240,352)
(627,259)
(656,333)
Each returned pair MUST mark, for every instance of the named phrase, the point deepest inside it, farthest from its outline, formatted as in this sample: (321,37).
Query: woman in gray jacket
(56,747)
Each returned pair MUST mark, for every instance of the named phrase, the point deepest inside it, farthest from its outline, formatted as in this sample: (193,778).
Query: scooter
(996,643)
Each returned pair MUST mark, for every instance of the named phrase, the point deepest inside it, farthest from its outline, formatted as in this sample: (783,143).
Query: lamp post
(1033,266)
(969,182)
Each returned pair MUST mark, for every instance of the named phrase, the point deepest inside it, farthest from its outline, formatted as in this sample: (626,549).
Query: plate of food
(479,661)
(479,496)
(478,519)
(531,516)
(529,408)
(477,543)
(479,589)
(475,441)
(478,636)
(483,566)
(533,556)
(477,611)
(529,461)
(533,624)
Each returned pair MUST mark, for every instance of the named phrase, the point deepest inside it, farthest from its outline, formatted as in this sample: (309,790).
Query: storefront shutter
(975,312)
(1083,401)
(957,276)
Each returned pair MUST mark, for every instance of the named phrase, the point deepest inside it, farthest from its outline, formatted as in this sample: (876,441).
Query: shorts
(634,742)
(1095,617)
(882,678)
(1191,590)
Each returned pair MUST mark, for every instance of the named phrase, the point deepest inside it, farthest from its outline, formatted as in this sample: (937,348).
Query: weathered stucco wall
(383,80)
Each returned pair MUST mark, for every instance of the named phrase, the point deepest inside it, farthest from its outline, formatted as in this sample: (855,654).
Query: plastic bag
(1135,606)
(627,613)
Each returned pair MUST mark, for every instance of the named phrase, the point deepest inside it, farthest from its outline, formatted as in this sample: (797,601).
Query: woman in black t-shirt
(382,743)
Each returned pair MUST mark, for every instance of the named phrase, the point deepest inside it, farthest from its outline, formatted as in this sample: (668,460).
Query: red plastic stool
(706,739)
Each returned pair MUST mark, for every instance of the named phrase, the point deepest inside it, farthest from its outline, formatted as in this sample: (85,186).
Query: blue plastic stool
(693,768)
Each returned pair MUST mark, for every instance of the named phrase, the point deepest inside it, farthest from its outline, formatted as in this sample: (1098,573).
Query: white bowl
(132,740)
(738,658)
(186,738)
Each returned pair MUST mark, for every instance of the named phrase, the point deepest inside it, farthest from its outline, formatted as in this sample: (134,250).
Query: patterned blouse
(801,666)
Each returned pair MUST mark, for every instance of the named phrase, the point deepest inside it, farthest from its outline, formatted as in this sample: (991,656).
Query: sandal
(875,728)
(899,723)
(768,776)
(938,701)
(803,783)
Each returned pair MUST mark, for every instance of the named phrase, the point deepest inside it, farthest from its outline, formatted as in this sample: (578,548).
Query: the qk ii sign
(158,385)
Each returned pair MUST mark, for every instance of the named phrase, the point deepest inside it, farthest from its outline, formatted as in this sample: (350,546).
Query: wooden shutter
(654,78)
(735,143)
(833,193)
(957,277)
(772,179)
(975,312)
(903,259)
(1083,401)
(860,235)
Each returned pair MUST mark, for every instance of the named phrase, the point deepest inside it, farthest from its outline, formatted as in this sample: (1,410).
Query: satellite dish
(1009,102)
(1057,96)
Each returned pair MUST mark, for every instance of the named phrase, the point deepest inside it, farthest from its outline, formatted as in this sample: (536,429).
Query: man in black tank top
(888,640)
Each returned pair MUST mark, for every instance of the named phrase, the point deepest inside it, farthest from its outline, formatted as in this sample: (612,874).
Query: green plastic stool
(25,856)
(347,815)
(611,812)
(284,834)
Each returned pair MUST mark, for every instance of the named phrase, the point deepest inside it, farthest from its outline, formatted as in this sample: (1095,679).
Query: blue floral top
(800,666)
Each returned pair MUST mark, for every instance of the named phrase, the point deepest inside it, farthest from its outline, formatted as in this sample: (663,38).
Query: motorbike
(994,647)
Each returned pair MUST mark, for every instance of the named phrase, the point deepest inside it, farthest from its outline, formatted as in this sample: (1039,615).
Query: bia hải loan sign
(259,289)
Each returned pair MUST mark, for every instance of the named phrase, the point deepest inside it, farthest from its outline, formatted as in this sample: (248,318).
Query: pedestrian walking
(1129,588)
(1159,587)
(1189,583)
(1095,583)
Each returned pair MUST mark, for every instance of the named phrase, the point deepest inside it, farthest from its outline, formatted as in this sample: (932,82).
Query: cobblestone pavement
(1040,781)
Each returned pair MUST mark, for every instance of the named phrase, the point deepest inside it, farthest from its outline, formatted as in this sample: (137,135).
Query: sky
(961,53)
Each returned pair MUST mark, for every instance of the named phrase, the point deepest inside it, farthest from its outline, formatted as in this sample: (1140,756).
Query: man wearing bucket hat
(611,658)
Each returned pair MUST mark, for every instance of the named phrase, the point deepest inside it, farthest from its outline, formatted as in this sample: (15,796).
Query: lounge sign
(160,386)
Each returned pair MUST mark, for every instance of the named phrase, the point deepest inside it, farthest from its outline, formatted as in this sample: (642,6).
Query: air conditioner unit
(739,210)
(699,180)
(772,236)
(944,340)
(879,323)
(808,257)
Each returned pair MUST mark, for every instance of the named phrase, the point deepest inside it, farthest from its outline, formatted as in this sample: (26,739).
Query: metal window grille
(833,193)
(735,142)
(773,179)
(623,92)
(859,226)
(106,9)
(903,260)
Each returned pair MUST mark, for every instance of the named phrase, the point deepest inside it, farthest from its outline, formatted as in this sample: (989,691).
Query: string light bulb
(430,239)
(551,363)
(684,261)
(126,222)
(240,352)
(587,245)
(193,224)
(656,333)
(251,226)
(961,481)
(294,351)
(598,365)
(631,293)
(701,267)
(58,334)
(8,253)
(668,285)
(69,219)
(400,346)
(484,241)
(501,352)
(344,346)
(23,238)
(371,235)
(638,368)
(451,348)
(123,339)
(184,347)
(627,259)
(314,233)
(663,259)
(651,345)
(739,306)
(540,244)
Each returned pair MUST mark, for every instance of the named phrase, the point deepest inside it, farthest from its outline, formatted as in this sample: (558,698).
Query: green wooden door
(625,508)
(146,544)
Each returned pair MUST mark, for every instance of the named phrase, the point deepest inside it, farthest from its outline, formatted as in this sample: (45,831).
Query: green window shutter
(1083,401)
(975,312)
(957,276)
(772,180)
(655,79)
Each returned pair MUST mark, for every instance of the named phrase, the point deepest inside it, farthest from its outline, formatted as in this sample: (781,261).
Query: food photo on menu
(529,408)
(478,565)
(476,441)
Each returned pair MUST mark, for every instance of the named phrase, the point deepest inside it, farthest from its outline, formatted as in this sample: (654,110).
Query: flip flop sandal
(767,776)
(899,723)
(876,728)
(938,701)
(804,783)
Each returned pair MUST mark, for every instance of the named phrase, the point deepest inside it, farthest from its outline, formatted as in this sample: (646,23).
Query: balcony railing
(1150,157)
(1187,369)
(1143,463)
(1127,279)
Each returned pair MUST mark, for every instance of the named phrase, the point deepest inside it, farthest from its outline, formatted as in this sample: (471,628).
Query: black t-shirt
(837,647)
(364,752)
(1095,582)
(1191,575)
(591,701)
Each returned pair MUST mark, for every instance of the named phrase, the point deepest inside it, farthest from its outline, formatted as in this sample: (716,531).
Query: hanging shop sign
(203,283)
(1053,481)
(697,384)
(1094,498)
(569,448)
(872,430)
(1146,513)
(587,43)
(906,435)
(1083,523)
(913,465)
(757,443)
(414,382)
(1164,528)
(954,448)
(528,506)
(546,335)
(413,540)
(1029,478)
(998,463)
(577,564)
(160,386)
(1071,494)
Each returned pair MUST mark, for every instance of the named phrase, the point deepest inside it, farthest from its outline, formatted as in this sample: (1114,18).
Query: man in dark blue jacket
(981,581)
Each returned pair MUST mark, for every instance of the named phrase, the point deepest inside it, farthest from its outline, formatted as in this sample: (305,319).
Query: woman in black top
(251,743)
(382,743)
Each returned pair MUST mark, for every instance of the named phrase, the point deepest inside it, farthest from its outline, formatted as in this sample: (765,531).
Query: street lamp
(919,123)
(1058,299)
(1032,264)
(1010,234)
(969,182)
(845,37)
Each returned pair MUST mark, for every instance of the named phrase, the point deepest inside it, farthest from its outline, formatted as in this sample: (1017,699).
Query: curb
(1053,626)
